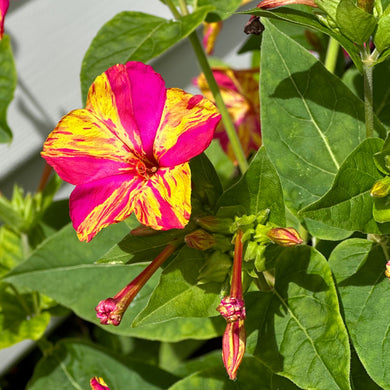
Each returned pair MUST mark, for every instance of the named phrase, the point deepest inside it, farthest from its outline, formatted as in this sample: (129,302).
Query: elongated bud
(233,347)
(381,188)
(3,10)
(200,239)
(269,4)
(210,34)
(232,308)
(285,236)
(387,272)
(215,224)
(143,231)
(98,384)
(110,311)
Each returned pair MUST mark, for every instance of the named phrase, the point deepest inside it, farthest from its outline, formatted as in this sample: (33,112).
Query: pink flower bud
(215,224)
(200,239)
(3,10)
(98,384)
(233,347)
(210,34)
(232,309)
(285,236)
(110,311)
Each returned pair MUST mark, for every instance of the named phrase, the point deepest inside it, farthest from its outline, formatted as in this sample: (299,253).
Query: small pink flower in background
(387,271)
(232,308)
(4,4)
(98,384)
(210,34)
(128,150)
(240,92)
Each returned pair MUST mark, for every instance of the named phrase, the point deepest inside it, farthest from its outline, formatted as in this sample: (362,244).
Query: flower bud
(210,34)
(285,236)
(233,347)
(98,384)
(381,188)
(199,239)
(110,311)
(3,10)
(215,224)
(232,309)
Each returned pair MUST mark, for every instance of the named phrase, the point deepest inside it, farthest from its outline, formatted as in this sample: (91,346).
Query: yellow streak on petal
(80,133)
(107,213)
(101,100)
(173,185)
(177,118)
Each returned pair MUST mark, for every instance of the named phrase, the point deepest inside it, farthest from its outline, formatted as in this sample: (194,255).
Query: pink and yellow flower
(128,150)
(240,92)
(4,4)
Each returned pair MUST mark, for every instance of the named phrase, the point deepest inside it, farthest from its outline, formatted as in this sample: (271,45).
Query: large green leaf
(73,363)
(300,332)
(258,189)
(358,267)
(252,374)
(304,17)
(134,36)
(178,295)
(7,86)
(348,204)
(310,120)
(382,34)
(84,283)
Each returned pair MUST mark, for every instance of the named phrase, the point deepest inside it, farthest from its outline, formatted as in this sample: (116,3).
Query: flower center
(145,171)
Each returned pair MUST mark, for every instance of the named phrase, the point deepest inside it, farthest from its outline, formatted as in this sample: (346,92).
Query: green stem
(368,97)
(331,55)
(205,67)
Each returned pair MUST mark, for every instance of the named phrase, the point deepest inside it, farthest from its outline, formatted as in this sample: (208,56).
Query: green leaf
(84,283)
(381,209)
(364,292)
(252,374)
(206,186)
(359,376)
(134,36)
(7,86)
(223,8)
(73,363)
(355,23)
(178,295)
(258,189)
(348,204)
(310,120)
(300,332)
(17,321)
(382,34)
(304,17)
(381,158)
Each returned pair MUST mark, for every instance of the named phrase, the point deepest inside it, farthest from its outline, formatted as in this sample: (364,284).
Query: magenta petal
(139,98)
(98,204)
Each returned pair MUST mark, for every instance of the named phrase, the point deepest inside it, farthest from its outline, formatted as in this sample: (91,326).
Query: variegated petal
(165,201)
(186,129)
